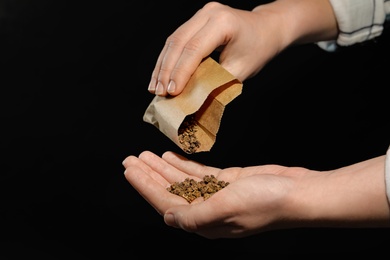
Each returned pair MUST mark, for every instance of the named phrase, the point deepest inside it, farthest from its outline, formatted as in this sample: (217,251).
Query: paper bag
(192,118)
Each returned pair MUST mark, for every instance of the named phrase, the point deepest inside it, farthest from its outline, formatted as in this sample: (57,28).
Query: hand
(246,41)
(253,200)
(261,198)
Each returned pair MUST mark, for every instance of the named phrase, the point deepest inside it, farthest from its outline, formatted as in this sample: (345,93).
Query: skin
(263,197)
(247,39)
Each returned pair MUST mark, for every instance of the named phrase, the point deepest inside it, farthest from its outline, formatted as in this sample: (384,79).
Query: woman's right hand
(246,39)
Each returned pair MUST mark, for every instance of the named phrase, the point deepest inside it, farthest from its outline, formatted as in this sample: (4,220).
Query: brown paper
(204,98)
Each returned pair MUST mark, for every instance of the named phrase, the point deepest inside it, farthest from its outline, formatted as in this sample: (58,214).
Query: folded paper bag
(192,119)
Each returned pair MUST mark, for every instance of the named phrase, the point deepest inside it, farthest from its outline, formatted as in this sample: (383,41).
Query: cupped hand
(255,199)
(247,41)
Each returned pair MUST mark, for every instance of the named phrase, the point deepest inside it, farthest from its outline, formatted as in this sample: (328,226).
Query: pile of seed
(191,189)
(187,135)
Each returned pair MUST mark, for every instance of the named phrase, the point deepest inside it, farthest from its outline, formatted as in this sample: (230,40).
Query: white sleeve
(358,21)
(387,174)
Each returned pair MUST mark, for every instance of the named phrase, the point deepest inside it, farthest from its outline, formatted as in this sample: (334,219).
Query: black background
(74,77)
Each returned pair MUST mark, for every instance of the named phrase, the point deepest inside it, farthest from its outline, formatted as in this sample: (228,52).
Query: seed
(191,189)
(187,135)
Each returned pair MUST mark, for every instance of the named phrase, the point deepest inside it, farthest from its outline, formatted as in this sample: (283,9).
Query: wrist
(302,21)
(352,196)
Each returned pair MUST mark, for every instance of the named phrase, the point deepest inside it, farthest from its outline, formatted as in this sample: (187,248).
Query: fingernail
(159,89)
(152,85)
(171,87)
(170,220)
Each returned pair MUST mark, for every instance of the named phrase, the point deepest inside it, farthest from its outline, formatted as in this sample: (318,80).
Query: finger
(155,73)
(133,161)
(211,36)
(189,45)
(196,49)
(164,169)
(171,52)
(190,168)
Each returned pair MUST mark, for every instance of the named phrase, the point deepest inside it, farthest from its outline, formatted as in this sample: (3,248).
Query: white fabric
(358,21)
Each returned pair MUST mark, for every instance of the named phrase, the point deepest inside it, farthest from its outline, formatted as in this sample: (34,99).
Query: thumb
(178,217)
(170,220)
(188,217)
